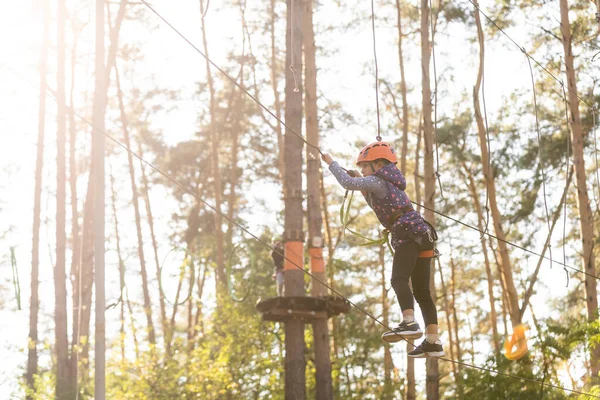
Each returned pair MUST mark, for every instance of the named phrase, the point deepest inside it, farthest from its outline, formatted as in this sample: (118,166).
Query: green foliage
(555,343)
(486,385)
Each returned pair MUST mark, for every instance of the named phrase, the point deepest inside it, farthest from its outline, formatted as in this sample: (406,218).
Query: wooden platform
(304,308)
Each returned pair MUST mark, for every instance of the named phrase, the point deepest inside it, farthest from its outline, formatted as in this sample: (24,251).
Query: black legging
(408,265)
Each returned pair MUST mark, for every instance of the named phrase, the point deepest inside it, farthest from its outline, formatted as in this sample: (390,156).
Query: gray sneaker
(427,349)
(406,330)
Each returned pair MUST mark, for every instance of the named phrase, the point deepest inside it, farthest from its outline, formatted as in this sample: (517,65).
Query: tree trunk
(533,279)
(114,39)
(411,384)
(200,283)
(136,343)
(330,279)
(454,313)
(324,390)
(32,356)
(220,259)
(98,154)
(388,362)
(83,280)
(75,274)
(121,265)
(161,294)
(190,236)
(404,150)
(433,375)
(64,387)
(451,344)
(507,275)
(488,269)
(295,364)
(586,218)
(136,208)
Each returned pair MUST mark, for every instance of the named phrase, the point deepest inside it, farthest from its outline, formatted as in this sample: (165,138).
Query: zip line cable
(317,148)
(242,88)
(291,130)
(376,70)
(504,241)
(301,268)
(527,54)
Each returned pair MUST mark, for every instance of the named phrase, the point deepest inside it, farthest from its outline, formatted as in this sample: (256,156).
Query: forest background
(169,333)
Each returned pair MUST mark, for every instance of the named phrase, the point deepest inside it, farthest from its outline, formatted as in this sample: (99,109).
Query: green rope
(15,277)
(182,270)
(367,241)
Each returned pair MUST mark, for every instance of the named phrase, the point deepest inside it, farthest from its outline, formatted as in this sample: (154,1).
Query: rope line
(526,53)
(234,81)
(435,103)
(540,155)
(487,129)
(488,140)
(292,67)
(564,264)
(502,240)
(301,268)
(376,70)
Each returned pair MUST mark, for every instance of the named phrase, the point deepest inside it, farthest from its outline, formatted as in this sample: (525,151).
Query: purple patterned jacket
(410,225)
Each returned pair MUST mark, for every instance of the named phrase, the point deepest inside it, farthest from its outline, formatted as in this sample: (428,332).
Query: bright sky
(345,76)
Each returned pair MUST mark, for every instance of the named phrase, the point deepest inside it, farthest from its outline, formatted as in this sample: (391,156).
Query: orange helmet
(375,151)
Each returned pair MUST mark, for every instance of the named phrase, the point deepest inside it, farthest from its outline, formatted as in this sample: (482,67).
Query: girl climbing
(383,186)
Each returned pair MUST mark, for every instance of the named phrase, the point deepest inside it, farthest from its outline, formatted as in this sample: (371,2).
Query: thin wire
(234,81)
(564,264)
(435,102)
(190,191)
(567,159)
(413,202)
(292,67)
(376,70)
(301,268)
(502,240)
(489,148)
(525,52)
(487,139)
(540,155)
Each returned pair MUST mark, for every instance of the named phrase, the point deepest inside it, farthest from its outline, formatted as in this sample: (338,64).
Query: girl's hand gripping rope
(327,158)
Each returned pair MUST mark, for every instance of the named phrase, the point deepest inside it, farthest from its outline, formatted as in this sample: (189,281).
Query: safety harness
(385,233)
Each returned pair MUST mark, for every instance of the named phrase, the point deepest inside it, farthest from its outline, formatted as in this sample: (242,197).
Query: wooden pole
(324,389)
(98,148)
(295,364)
